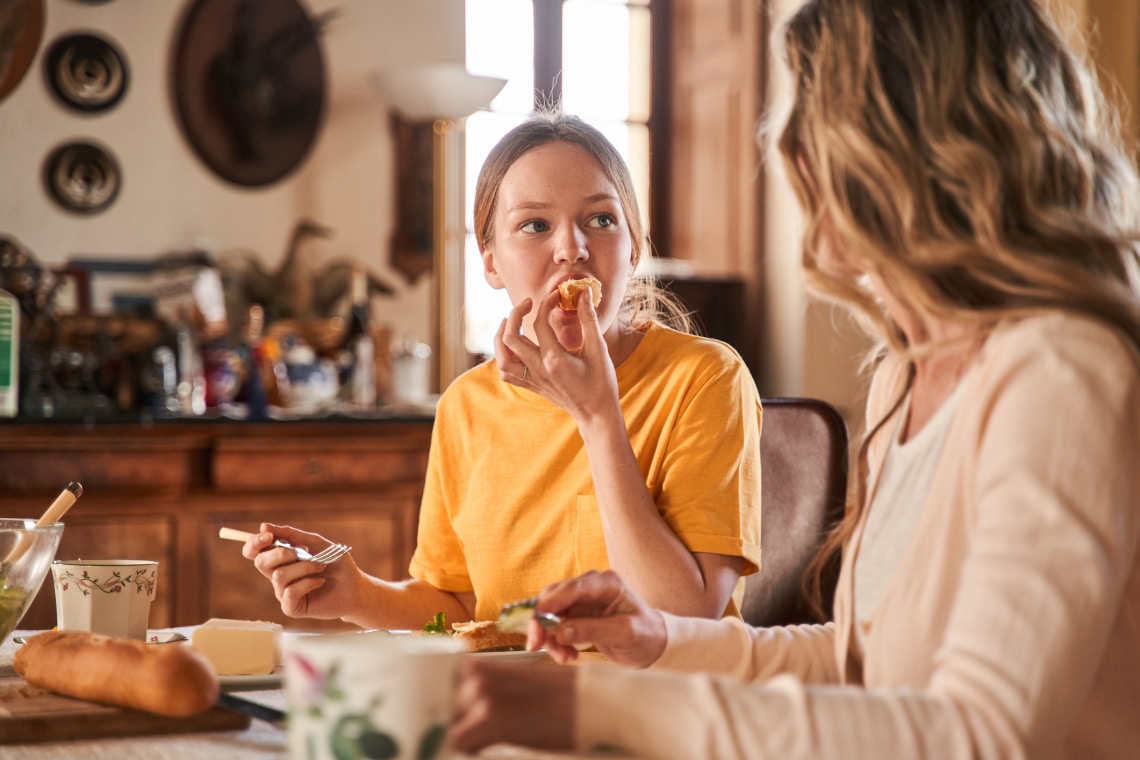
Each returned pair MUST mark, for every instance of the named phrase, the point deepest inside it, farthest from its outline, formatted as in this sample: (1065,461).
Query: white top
(908,469)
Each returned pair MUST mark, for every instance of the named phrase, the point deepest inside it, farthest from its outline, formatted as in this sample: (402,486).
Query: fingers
(593,339)
(598,609)
(497,702)
(294,597)
(541,638)
(296,536)
(542,329)
(589,594)
(513,350)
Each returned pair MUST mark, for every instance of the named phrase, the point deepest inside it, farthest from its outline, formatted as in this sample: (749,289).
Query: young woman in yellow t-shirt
(598,437)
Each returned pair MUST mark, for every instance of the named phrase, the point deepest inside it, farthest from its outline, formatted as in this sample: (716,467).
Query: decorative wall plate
(86,72)
(249,86)
(21,26)
(82,177)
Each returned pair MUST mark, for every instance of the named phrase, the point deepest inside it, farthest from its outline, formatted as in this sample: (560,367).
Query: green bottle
(9,354)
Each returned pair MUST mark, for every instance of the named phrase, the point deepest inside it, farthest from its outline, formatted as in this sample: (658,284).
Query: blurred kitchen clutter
(212,337)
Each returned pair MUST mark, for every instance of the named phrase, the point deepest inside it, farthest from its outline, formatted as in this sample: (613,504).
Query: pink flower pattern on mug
(354,734)
(142,579)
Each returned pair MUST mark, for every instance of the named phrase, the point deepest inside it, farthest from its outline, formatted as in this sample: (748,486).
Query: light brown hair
(644,301)
(966,153)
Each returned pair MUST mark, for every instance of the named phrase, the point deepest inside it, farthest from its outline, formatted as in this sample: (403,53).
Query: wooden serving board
(29,714)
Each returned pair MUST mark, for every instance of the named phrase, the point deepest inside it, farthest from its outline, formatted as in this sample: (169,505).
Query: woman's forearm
(642,548)
(404,604)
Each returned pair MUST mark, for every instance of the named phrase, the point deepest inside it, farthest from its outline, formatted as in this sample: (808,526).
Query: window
(548,51)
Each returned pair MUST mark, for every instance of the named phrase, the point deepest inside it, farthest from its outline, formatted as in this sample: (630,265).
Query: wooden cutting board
(29,714)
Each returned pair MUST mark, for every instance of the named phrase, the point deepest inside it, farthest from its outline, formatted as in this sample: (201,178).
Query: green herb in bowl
(13,601)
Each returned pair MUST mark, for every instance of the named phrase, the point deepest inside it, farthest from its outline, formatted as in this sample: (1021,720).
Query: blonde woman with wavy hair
(967,196)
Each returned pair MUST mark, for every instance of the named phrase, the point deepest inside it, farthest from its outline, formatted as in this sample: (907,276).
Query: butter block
(239,647)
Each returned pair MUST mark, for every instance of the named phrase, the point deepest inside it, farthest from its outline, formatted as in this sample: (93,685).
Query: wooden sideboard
(161,491)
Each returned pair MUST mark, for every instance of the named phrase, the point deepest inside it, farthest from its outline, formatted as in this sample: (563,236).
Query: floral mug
(108,596)
(370,694)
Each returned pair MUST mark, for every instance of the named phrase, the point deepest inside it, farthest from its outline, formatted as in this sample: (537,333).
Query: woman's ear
(490,271)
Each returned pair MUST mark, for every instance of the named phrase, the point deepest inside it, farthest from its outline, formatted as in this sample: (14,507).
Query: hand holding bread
(168,680)
(569,290)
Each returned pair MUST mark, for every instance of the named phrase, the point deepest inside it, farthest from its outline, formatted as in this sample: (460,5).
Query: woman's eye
(535,226)
(603,221)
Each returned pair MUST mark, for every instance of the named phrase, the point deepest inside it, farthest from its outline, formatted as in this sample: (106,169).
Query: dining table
(261,739)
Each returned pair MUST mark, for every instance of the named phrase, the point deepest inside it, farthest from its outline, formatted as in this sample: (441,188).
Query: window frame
(548,89)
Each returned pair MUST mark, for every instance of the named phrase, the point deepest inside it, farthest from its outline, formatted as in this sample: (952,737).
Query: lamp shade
(436,91)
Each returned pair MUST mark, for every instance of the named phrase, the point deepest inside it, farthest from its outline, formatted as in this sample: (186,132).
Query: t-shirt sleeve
(710,490)
(439,558)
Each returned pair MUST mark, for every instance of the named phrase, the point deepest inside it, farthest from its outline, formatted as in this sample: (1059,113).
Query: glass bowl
(26,553)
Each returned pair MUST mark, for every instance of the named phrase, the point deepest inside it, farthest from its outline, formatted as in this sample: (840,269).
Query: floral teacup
(109,596)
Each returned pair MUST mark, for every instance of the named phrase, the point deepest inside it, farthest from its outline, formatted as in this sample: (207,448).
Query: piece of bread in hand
(568,292)
(167,679)
(484,635)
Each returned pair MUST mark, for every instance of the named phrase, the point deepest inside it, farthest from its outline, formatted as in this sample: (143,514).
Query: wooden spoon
(62,503)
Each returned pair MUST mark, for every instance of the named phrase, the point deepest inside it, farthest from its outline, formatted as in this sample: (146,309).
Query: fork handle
(233,534)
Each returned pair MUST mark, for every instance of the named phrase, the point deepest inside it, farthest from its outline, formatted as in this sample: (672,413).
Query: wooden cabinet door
(380,528)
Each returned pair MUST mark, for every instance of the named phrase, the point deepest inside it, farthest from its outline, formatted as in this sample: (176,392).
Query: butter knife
(270,715)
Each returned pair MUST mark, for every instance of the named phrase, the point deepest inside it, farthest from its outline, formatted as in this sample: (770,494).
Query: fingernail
(568,631)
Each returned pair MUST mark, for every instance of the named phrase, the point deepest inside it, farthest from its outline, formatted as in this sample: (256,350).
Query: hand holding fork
(326,556)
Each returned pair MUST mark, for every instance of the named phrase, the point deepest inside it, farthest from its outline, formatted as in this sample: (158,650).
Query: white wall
(811,347)
(170,199)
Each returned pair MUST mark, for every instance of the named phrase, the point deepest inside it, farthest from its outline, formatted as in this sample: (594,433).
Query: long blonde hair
(967,154)
(644,300)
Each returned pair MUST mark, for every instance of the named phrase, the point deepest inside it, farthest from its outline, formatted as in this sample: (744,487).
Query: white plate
(252,683)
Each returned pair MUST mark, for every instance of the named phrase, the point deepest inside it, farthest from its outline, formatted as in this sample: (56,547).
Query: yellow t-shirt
(509,503)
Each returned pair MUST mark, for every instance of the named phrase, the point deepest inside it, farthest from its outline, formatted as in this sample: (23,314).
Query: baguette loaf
(568,292)
(485,635)
(168,679)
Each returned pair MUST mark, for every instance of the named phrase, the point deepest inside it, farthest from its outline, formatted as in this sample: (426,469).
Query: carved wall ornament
(249,86)
(86,72)
(82,177)
(21,27)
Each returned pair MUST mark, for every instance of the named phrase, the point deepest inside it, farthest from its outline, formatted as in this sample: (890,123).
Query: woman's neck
(621,341)
(942,352)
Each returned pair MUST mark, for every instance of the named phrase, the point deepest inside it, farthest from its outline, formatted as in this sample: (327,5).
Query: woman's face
(559,217)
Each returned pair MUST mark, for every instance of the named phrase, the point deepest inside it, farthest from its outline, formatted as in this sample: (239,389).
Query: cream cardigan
(1010,627)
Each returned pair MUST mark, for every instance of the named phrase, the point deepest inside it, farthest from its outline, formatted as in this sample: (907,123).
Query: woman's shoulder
(665,341)
(1050,336)
(667,358)
(1059,356)
(482,380)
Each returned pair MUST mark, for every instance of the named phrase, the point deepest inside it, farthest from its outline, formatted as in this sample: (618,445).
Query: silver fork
(326,556)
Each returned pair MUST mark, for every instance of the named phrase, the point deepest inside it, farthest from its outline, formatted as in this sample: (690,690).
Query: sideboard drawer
(276,464)
(129,464)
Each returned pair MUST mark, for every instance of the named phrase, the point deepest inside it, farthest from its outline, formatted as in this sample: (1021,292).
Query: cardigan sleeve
(732,647)
(1052,549)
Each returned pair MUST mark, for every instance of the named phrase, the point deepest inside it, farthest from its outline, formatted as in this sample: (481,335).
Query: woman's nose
(570,245)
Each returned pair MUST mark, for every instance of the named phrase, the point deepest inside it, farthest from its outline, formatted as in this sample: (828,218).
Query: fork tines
(331,554)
